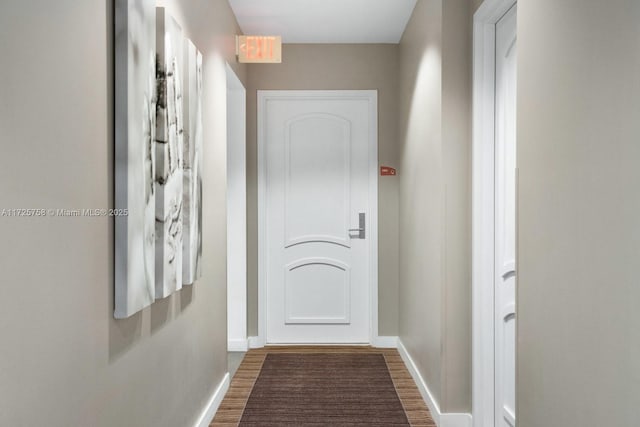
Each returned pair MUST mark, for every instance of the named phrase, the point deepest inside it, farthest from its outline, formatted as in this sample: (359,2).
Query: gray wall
(435,121)
(422,191)
(456,153)
(579,213)
(335,67)
(476,4)
(64,360)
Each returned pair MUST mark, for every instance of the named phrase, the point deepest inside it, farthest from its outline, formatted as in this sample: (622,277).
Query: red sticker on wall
(387,171)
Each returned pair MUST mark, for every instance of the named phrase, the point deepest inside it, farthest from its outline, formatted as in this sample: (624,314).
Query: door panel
(317,147)
(318,174)
(505,226)
(328,281)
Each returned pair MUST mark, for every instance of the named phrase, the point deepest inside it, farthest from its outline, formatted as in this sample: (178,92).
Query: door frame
(237,216)
(483,205)
(371,96)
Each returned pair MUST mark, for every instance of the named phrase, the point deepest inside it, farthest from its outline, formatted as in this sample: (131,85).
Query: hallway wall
(64,360)
(579,213)
(422,191)
(345,66)
(457,97)
(435,138)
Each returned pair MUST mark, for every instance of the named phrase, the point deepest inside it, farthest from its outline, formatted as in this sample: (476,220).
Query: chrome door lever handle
(362,228)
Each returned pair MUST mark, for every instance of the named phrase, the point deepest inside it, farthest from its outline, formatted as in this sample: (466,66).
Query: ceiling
(325,21)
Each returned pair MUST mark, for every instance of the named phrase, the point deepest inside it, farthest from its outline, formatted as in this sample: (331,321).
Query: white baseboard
(237,345)
(256,342)
(209,411)
(378,342)
(385,342)
(455,420)
(432,404)
(441,420)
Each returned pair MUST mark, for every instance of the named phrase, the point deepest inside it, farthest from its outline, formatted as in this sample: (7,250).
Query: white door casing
(236,214)
(505,217)
(485,210)
(317,175)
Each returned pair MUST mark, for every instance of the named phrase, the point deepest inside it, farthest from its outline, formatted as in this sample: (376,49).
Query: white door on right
(505,221)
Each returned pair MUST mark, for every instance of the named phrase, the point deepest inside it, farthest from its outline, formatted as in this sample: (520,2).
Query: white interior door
(505,217)
(317,149)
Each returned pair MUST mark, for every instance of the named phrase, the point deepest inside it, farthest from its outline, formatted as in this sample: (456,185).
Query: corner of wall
(435,198)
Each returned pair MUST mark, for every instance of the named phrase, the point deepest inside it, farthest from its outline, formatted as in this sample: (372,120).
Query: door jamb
(372,223)
(483,228)
(236,291)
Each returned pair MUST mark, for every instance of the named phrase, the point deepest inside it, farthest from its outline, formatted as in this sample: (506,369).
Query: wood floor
(230,411)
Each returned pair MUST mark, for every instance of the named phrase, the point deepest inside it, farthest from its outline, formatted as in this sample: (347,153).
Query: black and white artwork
(158,161)
(135,125)
(169,154)
(192,157)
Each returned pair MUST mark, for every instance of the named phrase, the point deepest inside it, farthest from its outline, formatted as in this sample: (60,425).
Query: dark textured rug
(324,390)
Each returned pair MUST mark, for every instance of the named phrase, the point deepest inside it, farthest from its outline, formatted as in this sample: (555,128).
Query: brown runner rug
(322,386)
(324,389)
